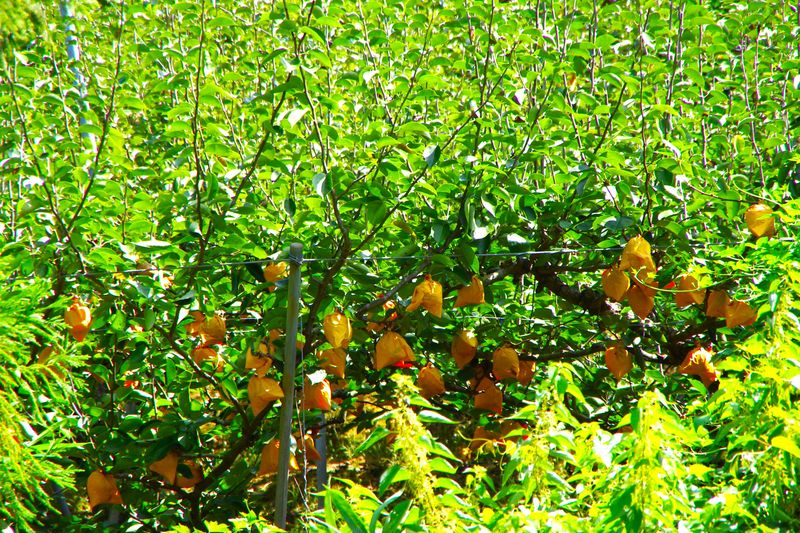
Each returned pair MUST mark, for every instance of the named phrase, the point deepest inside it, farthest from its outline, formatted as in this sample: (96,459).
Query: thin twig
(749,107)
(106,122)
(610,120)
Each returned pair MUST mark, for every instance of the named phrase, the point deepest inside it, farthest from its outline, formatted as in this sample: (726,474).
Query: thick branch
(697,329)
(592,301)
(249,435)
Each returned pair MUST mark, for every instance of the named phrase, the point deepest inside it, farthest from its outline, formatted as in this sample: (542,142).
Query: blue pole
(74,56)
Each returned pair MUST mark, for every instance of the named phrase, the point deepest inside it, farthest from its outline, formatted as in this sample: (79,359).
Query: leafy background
(191,142)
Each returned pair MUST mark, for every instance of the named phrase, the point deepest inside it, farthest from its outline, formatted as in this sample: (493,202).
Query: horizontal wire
(233,329)
(363,258)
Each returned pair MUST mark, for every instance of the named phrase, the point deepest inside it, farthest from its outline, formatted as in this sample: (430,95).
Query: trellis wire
(364,258)
(474,316)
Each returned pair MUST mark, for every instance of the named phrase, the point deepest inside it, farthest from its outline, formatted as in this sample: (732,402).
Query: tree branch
(104,134)
(199,371)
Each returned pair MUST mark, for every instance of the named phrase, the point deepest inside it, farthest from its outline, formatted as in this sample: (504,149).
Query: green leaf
(467,257)
(431,155)
(314,34)
(186,299)
(330,514)
(220,22)
(149,319)
(152,244)
(437,448)
(91,129)
(295,115)
(376,436)
(433,417)
(438,464)
(119,322)
(443,260)
(322,184)
(378,513)
(398,518)
(349,516)
(392,474)
(290,206)
(786,444)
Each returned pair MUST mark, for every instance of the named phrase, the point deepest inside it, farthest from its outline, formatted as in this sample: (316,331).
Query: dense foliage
(152,186)
(20,22)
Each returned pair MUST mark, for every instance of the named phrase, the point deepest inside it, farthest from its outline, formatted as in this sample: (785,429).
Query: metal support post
(289,367)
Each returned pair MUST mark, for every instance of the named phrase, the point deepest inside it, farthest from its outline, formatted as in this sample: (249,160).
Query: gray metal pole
(289,367)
